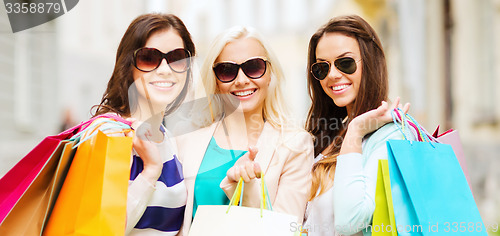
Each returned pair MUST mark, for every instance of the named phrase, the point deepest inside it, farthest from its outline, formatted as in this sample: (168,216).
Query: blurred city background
(443,58)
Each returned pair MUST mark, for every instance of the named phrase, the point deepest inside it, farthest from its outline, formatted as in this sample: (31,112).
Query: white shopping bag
(213,220)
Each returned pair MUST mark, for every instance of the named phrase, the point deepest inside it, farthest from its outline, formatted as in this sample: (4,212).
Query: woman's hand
(376,118)
(146,150)
(367,123)
(245,167)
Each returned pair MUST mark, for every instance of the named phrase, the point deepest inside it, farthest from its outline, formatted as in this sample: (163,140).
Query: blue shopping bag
(430,192)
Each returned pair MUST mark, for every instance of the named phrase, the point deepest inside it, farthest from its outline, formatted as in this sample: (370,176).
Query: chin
(162,102)
(250,108)
(342,102)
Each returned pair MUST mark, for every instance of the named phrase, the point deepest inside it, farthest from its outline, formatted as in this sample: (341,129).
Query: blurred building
(55,69)
(28,94)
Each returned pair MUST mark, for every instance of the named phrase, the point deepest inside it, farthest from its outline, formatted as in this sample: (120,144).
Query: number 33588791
(33,8)
(469,227)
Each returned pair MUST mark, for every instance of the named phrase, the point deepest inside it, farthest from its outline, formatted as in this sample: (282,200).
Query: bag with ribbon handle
(28,191)
(429,190)
(450,137)
(235,219)
(93,197)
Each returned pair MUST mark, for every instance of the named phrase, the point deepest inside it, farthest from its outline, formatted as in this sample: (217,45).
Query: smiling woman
(158,81)
(150,79)
(250,86)
(348,84)
(246,132)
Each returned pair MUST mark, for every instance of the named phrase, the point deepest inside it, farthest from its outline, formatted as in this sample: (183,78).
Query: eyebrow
(250,58)
(339,56)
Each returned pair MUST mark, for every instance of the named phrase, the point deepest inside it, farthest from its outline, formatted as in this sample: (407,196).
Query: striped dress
(159,209)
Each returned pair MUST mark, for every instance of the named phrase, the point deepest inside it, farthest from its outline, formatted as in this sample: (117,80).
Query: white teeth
(163,84)
(244,93)
(340,87)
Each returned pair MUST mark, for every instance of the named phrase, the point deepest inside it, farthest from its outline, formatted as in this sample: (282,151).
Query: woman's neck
(252,126)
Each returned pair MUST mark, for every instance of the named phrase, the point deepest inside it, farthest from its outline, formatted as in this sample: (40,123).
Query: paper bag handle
(237,198)
(403,121)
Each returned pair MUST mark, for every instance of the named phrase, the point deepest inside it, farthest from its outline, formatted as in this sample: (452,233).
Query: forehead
(334,45)
(241,49)
(165,40)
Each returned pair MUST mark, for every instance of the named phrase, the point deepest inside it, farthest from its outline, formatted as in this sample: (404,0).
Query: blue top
(213,169)
(356,179)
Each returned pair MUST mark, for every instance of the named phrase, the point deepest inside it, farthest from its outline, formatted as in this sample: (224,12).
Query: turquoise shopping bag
(430,192)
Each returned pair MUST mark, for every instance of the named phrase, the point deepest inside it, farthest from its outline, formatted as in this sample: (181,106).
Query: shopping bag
(429,189)
(222,220)
(20,177)
(34,173)
(452,138)
(17,180)
(28,215)
(93,198)
(383,216)
(213,220)
(15,183)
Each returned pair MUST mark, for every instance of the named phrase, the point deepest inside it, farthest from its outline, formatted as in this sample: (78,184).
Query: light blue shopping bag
(430,193)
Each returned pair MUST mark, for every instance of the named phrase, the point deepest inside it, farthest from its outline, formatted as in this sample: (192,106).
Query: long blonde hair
(275,110)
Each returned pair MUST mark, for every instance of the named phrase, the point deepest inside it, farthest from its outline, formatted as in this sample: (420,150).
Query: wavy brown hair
(116,97)
(324,119)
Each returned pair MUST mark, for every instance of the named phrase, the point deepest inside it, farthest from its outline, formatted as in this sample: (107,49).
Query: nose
(334,73)
(241,78)
(164,68)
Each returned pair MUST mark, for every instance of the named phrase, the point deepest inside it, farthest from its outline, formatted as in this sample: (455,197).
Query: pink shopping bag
(15,183)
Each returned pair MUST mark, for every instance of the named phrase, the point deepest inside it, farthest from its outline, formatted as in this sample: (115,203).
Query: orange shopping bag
(93,198)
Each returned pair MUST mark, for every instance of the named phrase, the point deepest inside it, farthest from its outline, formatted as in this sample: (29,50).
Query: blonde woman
(246,132)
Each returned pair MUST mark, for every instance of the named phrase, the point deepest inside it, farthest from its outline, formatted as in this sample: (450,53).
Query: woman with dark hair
(350,121)
(150,79)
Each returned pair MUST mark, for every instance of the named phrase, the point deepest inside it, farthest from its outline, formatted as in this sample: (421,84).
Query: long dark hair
(324,119)
(115,98)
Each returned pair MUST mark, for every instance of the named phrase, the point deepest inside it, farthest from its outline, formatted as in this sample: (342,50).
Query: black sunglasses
(346,65)
(148,59)
(227,71)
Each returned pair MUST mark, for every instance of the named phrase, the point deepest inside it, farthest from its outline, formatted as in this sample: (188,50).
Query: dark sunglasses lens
(178,60)
(346,65)
(147,59)
(254,68)
(226,72)
(320,70)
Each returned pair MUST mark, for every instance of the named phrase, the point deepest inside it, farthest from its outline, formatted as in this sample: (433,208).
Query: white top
(352,197)
(319,217)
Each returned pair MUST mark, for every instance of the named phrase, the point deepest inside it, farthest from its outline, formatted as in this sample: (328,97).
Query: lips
(339,88)
(163,84)
(244,93)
